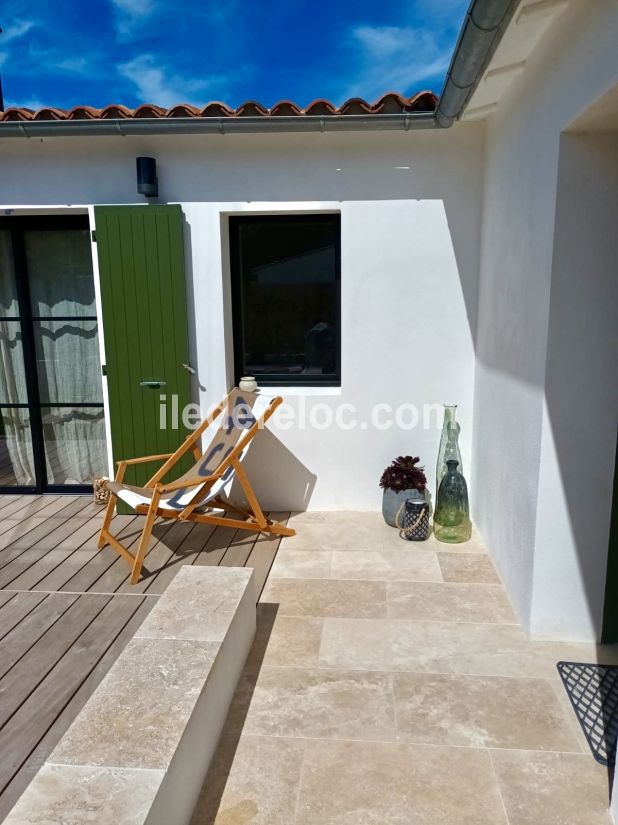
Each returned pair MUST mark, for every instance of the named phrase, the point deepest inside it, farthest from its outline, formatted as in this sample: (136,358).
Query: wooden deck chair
(200,495)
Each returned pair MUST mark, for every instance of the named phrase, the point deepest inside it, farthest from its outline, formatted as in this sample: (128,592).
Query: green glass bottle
(451,521)
(449,444)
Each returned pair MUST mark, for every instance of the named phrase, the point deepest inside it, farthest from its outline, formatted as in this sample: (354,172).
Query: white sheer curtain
(68,365)
(16,465)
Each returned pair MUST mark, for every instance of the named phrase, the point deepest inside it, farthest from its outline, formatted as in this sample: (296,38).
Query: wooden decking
(67,610)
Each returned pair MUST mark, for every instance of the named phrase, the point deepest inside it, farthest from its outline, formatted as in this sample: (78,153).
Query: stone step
(140,749)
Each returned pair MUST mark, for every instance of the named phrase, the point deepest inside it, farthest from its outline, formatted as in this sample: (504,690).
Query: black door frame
(17,226)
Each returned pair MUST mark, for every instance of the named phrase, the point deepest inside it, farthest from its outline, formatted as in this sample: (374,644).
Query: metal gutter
(482,31)
(216,125)
(484,25)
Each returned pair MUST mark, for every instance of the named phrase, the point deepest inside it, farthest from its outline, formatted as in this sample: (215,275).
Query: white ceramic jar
(247,384)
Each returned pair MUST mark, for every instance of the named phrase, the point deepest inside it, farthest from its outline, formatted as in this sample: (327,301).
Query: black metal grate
(593,691)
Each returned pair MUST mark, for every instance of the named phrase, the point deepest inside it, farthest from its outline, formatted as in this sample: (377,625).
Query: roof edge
(481,33)
(217,125)
(482,30)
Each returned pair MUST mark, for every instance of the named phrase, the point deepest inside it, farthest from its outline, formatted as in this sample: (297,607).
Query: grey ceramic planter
(392,501)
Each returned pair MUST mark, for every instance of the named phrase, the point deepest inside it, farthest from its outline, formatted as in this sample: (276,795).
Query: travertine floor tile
(136,716)
(397,564)
(350,783)
(446,647)
(467,567)
(73,795)
(254,780)
(391,538)
(302,564)
(290,640)
(358,644)
(552,788)
(334,704)
(481,711)
(335,530)
(449,602)
(324,597)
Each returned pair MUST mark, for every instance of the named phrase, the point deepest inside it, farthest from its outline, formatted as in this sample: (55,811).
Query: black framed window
(286,298)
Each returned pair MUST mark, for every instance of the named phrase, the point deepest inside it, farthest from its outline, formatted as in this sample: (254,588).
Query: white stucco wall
(410,206)
(519,480)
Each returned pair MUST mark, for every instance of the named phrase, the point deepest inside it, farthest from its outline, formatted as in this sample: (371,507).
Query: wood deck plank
(15,611)
(5,596)
(15,530)
(47,505)
(9,498)
(7,508)
(264,552)
(44,566)
(61,724)
(22,679)
(216,546)
(61,515)
(118,573)
(101,619)
(193,544)
(44,610)
(87,575)
(24,506)
(165,544)
(25,558)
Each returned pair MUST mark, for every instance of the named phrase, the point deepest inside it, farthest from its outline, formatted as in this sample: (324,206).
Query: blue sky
(96,52)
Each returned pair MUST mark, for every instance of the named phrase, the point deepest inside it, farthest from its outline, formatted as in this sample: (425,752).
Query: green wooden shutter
(143,294)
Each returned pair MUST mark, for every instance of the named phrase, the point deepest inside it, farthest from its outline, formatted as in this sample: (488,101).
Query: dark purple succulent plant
(403,474)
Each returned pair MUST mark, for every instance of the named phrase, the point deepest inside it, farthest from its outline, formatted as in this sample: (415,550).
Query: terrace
(387,682)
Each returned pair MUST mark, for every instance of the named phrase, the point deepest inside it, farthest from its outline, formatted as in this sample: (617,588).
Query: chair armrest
(145,458)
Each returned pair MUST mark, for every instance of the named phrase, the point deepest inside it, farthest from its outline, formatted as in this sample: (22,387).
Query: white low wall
(410,206)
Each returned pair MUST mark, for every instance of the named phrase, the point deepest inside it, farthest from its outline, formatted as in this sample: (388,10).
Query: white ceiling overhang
(529,24)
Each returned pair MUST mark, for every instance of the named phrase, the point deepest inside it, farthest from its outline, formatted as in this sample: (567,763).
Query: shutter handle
(189,368)
(155,385)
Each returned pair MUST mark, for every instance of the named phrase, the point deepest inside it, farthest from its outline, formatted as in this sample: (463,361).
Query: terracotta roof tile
(321,107)
(84,113)
(285,108)
(389,103)
(50,114)
(251,108)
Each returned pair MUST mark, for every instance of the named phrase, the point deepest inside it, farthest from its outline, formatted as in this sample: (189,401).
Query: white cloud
(33,103)
(131,12)
(136,8)
(394,58)
(155,83)
(11,33)
(16,30)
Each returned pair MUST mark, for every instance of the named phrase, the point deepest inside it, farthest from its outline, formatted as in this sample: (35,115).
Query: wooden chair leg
(145,537)
(243,478)
(111,504)
(109,514)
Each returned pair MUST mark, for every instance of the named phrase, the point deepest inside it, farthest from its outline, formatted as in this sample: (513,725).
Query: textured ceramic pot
(394,501)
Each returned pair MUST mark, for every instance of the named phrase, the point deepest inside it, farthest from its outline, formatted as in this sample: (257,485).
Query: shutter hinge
(103,369)
(93,233)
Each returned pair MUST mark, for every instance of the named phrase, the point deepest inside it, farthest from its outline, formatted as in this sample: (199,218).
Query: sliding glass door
(52,435)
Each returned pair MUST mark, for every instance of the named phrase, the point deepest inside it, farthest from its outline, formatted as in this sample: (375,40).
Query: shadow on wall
(280,480)
(546,392)
(580,387)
